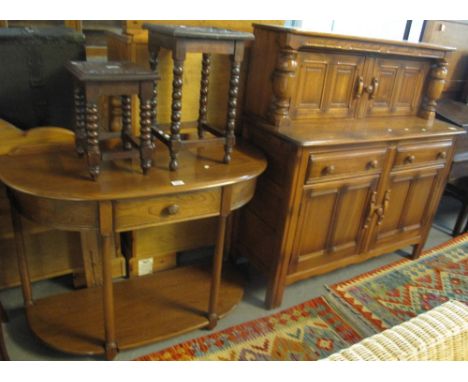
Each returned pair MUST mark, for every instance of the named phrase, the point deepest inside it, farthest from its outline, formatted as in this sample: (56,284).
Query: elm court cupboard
(356,161)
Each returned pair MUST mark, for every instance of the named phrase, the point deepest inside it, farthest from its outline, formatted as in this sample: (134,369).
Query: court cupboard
(357,162)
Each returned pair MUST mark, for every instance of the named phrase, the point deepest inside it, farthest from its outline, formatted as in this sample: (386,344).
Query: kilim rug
(308,331)
(397,292)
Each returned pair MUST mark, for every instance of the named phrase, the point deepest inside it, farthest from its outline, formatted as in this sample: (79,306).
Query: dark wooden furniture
(182,40)
(95,79)
(3,351)
(51,189)
(458,188)
(357,163)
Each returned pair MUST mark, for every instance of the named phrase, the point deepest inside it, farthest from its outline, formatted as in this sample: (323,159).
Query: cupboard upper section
(296,75)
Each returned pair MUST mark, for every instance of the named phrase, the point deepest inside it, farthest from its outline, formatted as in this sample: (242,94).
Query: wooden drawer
(416,154)
(131,214)
(335,164)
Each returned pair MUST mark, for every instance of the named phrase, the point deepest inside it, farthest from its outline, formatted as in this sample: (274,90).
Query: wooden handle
(373,201)
(328,170)
(359,87)
(373,164)
(442,155)
(410,159)
(372,88)
(172,209)
(386,204)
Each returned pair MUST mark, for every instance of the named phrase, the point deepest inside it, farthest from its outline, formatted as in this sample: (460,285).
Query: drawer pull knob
(172,209)
(410,159)
(373,164)
(328,170)
(442,155)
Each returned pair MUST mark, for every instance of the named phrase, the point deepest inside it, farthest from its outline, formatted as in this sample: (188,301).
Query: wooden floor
(147,309)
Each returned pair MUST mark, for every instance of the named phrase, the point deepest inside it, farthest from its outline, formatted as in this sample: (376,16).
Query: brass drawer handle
(328,170)
(172,209)
(373,164)
(372,88)
(410,159)
(442,155)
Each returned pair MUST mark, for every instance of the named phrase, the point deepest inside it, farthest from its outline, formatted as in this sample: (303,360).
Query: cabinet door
(394,87)
(332,222)
(408,206)
(326,85)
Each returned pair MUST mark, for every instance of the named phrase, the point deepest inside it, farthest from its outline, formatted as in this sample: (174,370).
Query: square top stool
(182,40)
(95,79)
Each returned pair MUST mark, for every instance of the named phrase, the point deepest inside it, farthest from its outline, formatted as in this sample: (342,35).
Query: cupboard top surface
(312,34)
(333,132)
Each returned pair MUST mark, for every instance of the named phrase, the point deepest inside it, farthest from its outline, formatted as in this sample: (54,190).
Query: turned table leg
(146,145)
(92,131)
(205,73)
(107,248)
(232,107)
(80,121)
(177,82)
(218,257)
(126,122)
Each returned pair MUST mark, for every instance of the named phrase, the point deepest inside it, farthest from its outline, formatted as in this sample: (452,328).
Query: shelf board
(147,309)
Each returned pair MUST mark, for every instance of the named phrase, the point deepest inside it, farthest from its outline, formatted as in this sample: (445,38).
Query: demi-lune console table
(53,189)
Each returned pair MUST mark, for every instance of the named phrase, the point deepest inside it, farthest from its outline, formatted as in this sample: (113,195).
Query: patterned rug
(397,292)
(308,331)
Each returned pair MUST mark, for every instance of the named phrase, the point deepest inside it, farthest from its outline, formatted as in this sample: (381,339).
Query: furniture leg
(153,62)
(205,73)
(21,254)
(218,257)
(105,236)
(177,83)
(80,121)
(232,108)
(126,122)
(146,145)
(462,217)
(92,131)
(3,351)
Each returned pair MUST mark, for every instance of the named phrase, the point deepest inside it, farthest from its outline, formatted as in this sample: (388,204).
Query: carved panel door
(326,85)
(332,221)
(393,87)
(408,207)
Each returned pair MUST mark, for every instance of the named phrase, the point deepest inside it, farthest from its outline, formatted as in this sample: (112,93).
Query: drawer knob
(328,170)
(172,209)
(442,155)
(410,159)
(373,164)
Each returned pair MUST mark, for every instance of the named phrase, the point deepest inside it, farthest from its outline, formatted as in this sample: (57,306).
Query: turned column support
(80,121)
(126,121)
(205,74)
(282,82)
(232,108)
(435,86)
(146,144)
(153,62)
(177,82)
(92,131)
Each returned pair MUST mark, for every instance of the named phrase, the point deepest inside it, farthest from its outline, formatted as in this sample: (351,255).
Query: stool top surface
(109,71)
(206,33)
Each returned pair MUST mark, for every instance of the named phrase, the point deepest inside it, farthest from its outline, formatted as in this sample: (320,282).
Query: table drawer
(347,162)
(422,153)
(131,214)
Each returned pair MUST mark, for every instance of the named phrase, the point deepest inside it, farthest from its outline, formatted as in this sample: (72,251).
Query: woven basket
(440,334)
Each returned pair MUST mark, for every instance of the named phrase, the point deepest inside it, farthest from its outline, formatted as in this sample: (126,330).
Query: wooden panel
(350,162)
(409,205)
(326,85)
(426,153)
(59,214)
(152,211)
(400,86)
(331,222)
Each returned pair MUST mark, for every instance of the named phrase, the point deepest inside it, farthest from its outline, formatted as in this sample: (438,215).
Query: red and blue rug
(304,332)
(397,292)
